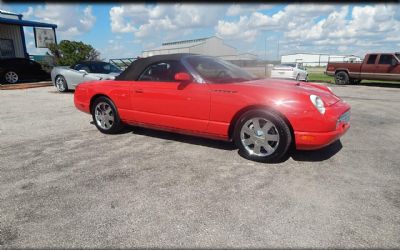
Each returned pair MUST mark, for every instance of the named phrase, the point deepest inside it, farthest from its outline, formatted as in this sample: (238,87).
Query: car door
(388,67)
(75,76)
(369,67)
(159,100)
(31,69)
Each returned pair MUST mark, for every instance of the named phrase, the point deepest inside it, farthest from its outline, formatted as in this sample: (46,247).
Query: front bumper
(316,140)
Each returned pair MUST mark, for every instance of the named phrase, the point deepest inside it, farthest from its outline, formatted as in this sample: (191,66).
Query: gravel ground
(64,184)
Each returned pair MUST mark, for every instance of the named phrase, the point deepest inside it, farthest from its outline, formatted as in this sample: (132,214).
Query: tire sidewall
(64,83)
(285,137)
(346,78)
(8,71)
(116,127)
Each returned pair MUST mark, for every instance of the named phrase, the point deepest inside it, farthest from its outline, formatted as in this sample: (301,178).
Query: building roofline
(186,41)
(5,12)
(174,48)
(27,23)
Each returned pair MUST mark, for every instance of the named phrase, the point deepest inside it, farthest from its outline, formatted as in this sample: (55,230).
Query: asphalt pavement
(64,184)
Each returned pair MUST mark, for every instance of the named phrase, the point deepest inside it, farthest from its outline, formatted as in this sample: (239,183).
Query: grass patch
(321,77)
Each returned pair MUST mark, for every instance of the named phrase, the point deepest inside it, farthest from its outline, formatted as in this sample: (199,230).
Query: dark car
(13,70)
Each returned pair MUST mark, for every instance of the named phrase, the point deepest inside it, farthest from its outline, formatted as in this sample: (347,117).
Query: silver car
(67,78)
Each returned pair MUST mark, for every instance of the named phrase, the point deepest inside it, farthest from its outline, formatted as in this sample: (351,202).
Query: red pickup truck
(375,66)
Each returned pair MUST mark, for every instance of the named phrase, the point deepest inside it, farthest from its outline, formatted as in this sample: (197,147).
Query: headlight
(318,103)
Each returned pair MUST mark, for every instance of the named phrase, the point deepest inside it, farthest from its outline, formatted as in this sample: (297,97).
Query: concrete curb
(25,85)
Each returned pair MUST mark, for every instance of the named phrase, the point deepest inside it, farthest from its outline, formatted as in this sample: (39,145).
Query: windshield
(218,71)
(104,68)
(398,55)
(286,65)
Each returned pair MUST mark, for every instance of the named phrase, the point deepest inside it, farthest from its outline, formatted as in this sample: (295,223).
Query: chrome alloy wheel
(11,77)
(259,137)
(104,115)
(60,84)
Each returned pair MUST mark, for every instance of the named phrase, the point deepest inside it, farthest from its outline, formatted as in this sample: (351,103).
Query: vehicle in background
(295,71)
(67,78)
(209,97)
(14,70)
(375,66)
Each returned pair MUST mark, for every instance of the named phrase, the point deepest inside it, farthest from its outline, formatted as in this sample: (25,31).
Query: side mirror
(83,71)
(182,77)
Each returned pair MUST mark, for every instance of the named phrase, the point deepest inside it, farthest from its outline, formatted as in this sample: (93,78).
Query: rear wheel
(341,78)
(262,136)
(11,77)
(61,84)
(105,116)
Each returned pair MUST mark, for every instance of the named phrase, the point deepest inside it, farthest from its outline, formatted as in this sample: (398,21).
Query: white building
(211,46)
(318,59)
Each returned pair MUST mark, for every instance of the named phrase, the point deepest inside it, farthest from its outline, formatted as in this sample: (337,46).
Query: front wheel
(262,136)
(105,116)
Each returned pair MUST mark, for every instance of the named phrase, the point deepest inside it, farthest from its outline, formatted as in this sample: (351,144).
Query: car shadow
(380,84)
(297,155)
(317,155)
(179,137)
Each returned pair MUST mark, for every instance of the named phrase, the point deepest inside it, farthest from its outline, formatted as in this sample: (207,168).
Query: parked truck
(375,66)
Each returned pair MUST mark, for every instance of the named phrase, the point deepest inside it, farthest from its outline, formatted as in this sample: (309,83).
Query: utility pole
(278,50)
(265,58)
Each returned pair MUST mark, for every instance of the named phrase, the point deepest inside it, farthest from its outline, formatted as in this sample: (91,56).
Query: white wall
(213,47)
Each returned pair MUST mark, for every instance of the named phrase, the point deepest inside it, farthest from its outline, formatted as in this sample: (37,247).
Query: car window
(103,68)
(286,65)
(372,59)
(217,70)
(162,71)
(386,59)
(82,67)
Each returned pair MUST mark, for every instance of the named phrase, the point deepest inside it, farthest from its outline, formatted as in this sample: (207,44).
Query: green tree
(68,53)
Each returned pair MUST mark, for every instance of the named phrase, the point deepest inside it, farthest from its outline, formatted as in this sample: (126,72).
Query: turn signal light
(307,138)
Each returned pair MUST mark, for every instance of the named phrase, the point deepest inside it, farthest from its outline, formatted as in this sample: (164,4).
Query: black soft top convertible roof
(132,72)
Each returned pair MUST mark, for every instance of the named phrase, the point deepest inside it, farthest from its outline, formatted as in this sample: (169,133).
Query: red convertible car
(209,97)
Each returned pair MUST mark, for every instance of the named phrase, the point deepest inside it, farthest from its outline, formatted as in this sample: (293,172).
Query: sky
(124,30)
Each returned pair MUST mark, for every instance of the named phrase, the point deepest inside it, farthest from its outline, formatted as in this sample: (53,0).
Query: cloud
(163,20)
(319,27)
(70,19)
(242,9)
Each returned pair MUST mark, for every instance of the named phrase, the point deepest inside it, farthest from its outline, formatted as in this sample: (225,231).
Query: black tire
(281,128)
(61,84)
(11,77)
(297,77)
(116,125)
(341,78)
(306,80)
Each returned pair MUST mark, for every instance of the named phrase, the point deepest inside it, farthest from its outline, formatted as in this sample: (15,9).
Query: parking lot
(64,184)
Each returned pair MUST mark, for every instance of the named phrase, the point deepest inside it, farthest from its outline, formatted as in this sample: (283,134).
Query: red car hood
(304,88)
